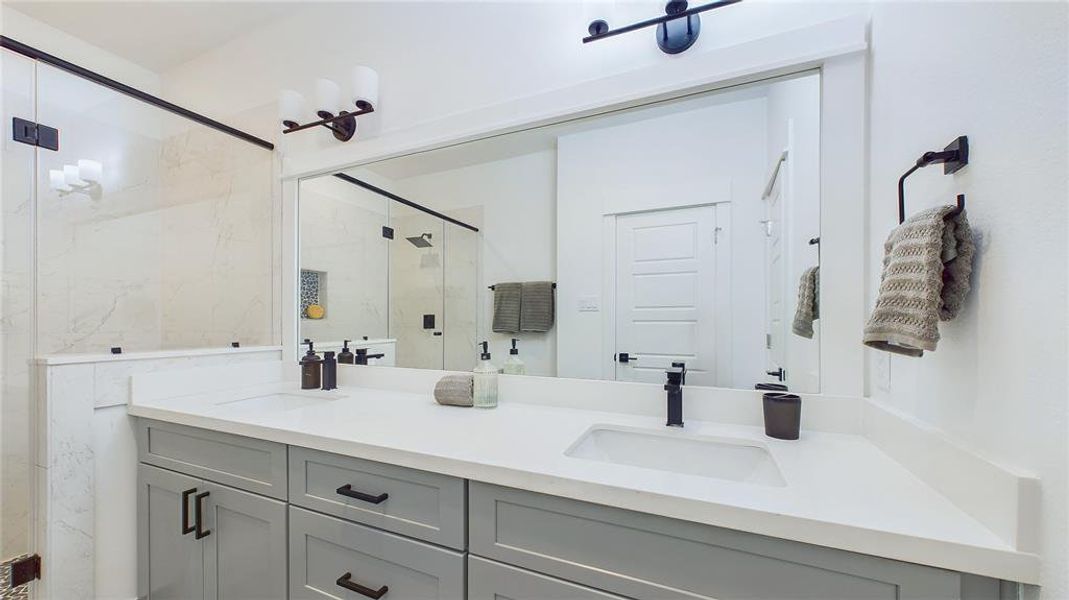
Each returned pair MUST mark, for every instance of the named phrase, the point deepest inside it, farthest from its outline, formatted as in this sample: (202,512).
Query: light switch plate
(589,304)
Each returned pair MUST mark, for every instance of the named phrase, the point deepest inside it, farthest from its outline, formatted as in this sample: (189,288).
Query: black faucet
(362,356)
(677,378)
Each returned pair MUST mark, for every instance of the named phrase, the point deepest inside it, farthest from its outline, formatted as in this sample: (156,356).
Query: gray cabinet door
(245,551)
(331,558)
(488,580)
(171,561)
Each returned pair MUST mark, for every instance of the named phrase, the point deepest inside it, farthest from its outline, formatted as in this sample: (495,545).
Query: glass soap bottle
(484,382)
(514,364)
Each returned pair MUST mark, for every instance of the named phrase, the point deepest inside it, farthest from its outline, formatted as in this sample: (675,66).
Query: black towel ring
(954,157)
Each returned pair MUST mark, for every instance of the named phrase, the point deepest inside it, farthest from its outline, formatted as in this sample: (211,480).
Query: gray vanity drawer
(422,505)
(245,463)
(648,557)
(488,580)
(324,549)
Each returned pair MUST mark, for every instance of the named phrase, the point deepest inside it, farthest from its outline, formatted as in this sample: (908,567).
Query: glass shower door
(461,298)
(417,281)
(16,313)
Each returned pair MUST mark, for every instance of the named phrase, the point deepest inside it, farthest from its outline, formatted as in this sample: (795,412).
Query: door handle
(348,491)
(625,358)
(346,581)
(778,373)
(198,516)
(186,527)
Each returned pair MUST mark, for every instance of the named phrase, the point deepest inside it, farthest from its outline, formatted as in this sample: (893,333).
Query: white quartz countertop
(841,491)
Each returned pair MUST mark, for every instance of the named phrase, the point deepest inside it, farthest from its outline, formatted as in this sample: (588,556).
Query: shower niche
(402,277)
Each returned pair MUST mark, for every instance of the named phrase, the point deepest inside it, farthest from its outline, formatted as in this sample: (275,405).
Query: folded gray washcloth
(507,299)
(537,308)
(454,390)
(926,269)
(808,309)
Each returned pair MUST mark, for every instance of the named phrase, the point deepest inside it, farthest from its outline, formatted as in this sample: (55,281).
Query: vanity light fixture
(676,31)
(333,111)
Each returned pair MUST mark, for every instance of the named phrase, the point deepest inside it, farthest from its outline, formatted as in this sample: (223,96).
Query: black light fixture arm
(329,121)
(593,37)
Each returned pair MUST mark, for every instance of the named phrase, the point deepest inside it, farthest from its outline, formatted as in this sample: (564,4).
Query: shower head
(423,241)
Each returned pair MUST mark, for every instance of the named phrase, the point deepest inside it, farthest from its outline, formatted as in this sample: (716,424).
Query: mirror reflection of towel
(537,306)
(808,309)
(507,297)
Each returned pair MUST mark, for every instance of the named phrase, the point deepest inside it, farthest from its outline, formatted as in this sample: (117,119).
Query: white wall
(710,155)
(998,378)
(995,71)
(513,203)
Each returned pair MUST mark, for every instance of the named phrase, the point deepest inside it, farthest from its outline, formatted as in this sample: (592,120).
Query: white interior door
(775,276)
(665,300)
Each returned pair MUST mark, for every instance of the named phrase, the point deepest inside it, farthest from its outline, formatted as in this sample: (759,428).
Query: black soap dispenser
(330,371)
(311,373)
(346,357)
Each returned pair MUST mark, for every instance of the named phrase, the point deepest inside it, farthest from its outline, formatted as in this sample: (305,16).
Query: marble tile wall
(174,248)
(86,535)
(341,236)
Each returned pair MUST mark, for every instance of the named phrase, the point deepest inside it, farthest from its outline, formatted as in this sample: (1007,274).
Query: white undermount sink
(676,452)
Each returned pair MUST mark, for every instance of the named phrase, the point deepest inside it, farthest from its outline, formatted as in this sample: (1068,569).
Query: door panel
(775,275)
(172,561)
(245,554)
(665,294)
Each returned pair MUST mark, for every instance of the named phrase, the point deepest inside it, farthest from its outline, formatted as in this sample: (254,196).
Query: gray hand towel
(454,390)
(507,298)
(926,269)
(537,308)
(808,309)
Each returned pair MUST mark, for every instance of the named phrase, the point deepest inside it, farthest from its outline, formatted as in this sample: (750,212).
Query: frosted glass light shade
(365,82)
(57,180)
(70,175)
(90,170)
(328,96)
(290,106)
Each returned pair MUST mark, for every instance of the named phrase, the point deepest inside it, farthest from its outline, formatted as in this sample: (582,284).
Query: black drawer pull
(198,516)
(347,490)
(186,527)
(346,581)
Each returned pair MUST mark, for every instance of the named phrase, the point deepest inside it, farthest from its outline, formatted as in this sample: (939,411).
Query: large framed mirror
(608,247)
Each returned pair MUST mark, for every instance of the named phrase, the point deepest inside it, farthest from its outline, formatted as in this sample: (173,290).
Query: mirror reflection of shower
(423,241)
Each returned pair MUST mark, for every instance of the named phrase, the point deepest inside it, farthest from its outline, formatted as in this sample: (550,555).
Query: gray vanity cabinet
(489,580)
(234,549)
(172,561)
(648,557)
(331,558)
(288,522)
(245,555)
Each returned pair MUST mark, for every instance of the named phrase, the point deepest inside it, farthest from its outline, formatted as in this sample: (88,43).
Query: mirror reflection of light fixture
(363,93)
(83,177)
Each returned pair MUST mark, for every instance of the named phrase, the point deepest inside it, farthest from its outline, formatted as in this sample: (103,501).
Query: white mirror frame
(838,49)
